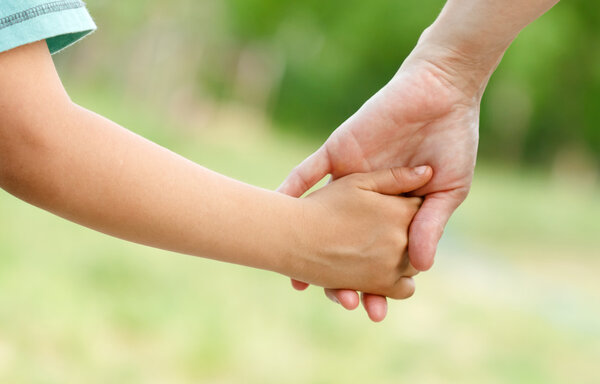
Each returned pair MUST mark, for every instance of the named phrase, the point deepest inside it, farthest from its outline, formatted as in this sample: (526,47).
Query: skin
(72,162)
(427,114)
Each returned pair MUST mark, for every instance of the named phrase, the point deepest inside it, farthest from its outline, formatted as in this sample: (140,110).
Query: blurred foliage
(310,64)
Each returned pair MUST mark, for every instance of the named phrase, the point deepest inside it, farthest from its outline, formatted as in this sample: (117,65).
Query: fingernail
(420,170)
(335,300)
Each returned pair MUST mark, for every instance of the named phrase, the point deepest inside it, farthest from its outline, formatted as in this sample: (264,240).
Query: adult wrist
(464,63)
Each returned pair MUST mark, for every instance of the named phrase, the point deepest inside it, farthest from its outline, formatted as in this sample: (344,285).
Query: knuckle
(399,174)
(407,174)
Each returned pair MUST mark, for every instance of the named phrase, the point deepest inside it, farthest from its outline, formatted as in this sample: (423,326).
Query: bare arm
(469,37)
(83,167)
(79,165)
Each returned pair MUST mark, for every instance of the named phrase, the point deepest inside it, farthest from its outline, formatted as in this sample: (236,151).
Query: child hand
(354,233)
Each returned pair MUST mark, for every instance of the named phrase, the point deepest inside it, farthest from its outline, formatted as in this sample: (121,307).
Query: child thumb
(394,181)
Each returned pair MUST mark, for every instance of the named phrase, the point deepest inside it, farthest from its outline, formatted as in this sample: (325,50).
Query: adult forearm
(480,27)
(469,37)
(87,169)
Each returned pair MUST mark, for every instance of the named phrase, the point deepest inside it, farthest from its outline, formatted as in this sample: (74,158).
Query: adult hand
(427,114)
(424,115)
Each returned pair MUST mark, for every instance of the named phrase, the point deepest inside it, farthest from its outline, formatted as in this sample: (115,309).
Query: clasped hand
(425,115)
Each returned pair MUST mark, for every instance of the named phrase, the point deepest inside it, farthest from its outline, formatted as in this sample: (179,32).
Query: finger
(403,289)
(307,174)
(346,297)
(299,285)
(428,226)
(395,181)
(375,305)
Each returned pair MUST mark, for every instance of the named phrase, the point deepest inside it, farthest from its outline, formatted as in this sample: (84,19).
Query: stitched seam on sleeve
(42,9)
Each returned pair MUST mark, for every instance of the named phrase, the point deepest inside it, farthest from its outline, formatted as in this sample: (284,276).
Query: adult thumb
(394,181)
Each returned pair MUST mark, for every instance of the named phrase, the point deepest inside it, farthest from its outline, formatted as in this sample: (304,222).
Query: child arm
(83,167)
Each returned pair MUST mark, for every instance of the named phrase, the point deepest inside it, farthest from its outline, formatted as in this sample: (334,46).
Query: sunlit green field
(514,296)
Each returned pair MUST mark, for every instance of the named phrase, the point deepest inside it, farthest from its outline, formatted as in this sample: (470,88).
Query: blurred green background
(251,87)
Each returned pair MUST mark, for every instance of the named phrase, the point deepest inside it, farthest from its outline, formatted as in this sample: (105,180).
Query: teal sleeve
(61,23)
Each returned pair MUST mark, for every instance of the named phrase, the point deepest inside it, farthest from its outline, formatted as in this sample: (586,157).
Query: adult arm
(427,114)
(469,38)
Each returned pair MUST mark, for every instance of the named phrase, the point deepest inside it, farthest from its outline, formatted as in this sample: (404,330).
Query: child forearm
(89,170)
(83,167)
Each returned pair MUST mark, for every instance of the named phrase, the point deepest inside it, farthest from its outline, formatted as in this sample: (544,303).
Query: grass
(513,297)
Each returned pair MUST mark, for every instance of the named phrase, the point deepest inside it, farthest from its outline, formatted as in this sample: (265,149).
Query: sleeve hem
(59,30)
